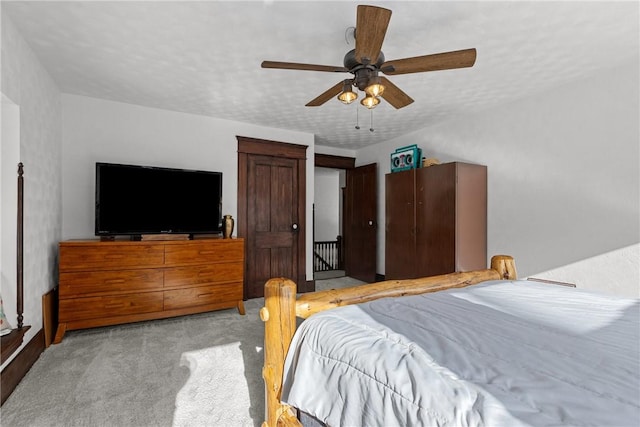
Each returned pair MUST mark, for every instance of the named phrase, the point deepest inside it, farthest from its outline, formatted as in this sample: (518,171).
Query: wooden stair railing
(328,255)
(12,341)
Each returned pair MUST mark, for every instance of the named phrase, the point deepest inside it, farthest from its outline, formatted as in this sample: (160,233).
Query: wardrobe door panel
(436,219)
(400,255)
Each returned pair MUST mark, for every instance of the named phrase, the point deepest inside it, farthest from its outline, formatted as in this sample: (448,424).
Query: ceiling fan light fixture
(374,87)
(347,96)
(370,101)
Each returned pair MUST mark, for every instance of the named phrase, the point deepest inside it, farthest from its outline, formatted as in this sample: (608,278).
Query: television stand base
(112,283)
(148,237)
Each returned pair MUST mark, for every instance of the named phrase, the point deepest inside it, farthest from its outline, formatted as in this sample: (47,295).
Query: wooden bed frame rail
(282,307)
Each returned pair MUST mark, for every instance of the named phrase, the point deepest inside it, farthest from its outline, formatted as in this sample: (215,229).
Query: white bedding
(497,354)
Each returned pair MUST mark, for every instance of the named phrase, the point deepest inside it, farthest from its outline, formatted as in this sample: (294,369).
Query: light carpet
(198,370)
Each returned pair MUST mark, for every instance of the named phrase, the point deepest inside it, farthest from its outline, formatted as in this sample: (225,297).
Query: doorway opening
(328,243)
(358,215)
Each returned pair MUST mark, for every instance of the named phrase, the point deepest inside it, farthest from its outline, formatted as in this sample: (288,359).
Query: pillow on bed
(5,327)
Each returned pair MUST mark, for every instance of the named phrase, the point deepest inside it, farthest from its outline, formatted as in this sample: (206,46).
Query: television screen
(133,200)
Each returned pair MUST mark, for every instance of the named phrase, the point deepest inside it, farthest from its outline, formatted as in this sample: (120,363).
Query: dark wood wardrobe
(436,220)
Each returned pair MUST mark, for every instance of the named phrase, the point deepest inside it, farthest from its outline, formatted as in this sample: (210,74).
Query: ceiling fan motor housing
(362,72)
(351,62)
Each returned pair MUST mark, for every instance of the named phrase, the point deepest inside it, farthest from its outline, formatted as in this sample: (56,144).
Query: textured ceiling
(204,57)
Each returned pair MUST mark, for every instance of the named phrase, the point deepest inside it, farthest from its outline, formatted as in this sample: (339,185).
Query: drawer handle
(208,252)
(207,294)
(113,281)
(114,256)
(203,273)
(114,305)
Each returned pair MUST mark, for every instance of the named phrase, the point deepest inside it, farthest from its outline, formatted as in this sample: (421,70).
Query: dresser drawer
(112,282)
(109,306)
(106,255)
(204,252)
(87,283)
(203,274)
(202,295)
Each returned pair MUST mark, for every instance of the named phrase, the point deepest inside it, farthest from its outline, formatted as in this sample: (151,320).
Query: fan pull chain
(371,128)
(357,121)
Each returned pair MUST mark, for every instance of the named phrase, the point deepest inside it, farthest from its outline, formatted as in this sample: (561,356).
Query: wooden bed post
(279,315)
(505,265)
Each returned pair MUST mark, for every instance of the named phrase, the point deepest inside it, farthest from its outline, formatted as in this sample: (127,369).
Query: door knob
(294,226)
(370,223)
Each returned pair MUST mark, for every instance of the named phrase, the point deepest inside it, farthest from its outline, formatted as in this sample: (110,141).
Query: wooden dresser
(109,283)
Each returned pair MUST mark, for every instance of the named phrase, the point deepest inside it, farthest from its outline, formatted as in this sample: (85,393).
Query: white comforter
(496,354)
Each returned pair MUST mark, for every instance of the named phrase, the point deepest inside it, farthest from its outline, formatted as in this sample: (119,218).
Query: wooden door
(271,211)
(400,228)
(436,219)
(360,223)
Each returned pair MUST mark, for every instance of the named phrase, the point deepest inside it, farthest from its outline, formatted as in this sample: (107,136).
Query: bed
(486,349)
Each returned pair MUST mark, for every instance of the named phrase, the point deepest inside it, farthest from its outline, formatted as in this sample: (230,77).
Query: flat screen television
(135,200)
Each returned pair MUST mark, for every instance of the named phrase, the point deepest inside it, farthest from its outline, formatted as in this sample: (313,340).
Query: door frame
(342,163)
(334,162)
(254,146)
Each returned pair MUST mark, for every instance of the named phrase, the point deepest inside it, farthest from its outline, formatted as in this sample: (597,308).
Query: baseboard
(309,286)
(49,315)
(13,373)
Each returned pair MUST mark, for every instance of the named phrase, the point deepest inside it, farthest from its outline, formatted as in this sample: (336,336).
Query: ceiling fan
(366,61)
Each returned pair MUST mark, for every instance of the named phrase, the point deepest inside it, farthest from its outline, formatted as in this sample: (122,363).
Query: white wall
(327,204)
(10,157)
(333,151)
(27,84)
(563,170)
(98,130)
(613,272)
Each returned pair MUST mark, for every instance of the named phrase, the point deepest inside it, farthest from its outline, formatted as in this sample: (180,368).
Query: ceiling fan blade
(438,61)
(371,27)
(327,95)
(306,67)
(394,95)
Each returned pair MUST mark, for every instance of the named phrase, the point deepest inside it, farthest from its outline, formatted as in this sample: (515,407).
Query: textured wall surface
(9,158)
(28,85)
(614,272)
(97,130)
(327,204)
(563,169)
(202,57)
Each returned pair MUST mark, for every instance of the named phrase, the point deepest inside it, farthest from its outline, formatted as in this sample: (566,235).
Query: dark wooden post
(12,341)
(20,245)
